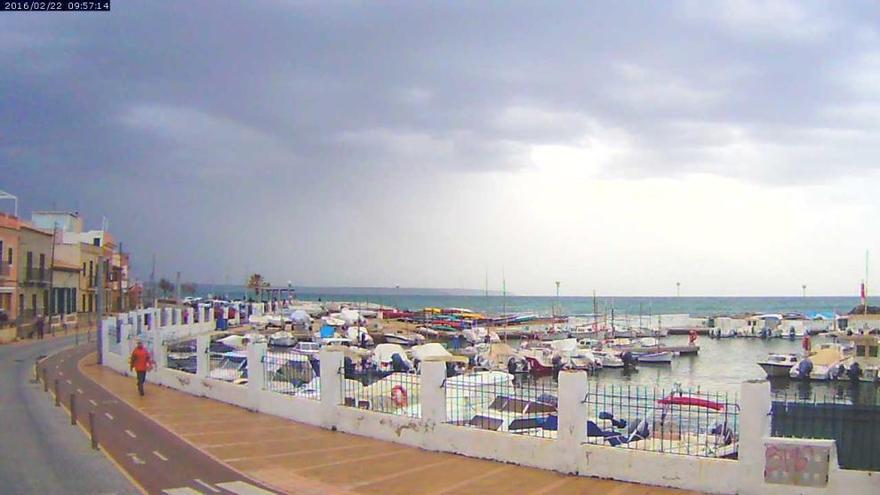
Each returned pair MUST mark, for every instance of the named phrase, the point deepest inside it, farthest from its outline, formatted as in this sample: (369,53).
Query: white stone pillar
(203,344)
(332,379)
(210,312)
(190,315)
(256,354)
(754,426)
(106,334)
(572,420)
(158,351)
(130,338)
(432,391)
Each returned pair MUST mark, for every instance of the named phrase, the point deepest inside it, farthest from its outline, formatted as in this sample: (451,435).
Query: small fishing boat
(408,339)
(778,365)
(825,364)
(609,359)
(655,358)
(282,339)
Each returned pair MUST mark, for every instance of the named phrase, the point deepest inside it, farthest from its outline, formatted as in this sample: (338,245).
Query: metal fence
(181,355)
(386,392)
(492,401)
(292,373)
(228,366)
(855,427)
(674,421)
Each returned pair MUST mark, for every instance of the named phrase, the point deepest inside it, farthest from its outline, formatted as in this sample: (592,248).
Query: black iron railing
(292,373)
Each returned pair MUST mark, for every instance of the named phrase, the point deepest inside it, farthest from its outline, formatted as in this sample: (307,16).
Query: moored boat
(779,365)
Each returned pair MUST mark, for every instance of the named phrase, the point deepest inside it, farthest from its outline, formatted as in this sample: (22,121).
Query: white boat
(864,365)
(408,339)
(282,339)
(776,365)
(307,348)
(826,363)
(573,357)
(384,357)
(479,335)
(500,357)
(664,357)
(231,368)
(609,359)
(722,333)
(359,336)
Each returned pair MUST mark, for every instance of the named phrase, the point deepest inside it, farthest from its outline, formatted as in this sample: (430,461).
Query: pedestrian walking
(40,326)
(141,362)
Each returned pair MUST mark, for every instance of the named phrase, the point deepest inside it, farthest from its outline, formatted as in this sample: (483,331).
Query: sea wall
(766,465)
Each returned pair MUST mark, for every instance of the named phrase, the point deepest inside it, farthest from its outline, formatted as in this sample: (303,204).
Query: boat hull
(776,370)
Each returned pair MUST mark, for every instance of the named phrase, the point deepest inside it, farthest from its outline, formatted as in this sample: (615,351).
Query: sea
(721,366)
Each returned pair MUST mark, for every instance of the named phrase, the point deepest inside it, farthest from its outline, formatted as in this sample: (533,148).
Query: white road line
(79,391)
(130,433)
(243,488)
(135,459)
(93,403)
(184,490)
(159,455)
(69,382)
(209,487)
(109,416)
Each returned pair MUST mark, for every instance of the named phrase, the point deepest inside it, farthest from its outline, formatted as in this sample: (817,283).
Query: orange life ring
(399,396)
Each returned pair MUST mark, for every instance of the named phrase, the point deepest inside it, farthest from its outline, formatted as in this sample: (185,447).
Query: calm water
(723,364)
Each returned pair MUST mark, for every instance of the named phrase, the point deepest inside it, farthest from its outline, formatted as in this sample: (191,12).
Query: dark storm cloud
(291,103)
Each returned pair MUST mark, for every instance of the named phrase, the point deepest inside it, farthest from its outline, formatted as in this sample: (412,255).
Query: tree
(165,286)
(256,282)
(188,289)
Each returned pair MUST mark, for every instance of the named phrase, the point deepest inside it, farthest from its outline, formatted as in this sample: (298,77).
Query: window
(9,259)
(34,302)
(1,248)
(96,241)
(872,351)
(83,308)
(42,261)
(30,260)
(860,350)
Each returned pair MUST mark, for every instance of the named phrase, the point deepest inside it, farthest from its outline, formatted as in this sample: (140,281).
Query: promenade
(300,459)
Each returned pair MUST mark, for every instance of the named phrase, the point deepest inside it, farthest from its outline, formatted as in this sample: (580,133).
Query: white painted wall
(567,454)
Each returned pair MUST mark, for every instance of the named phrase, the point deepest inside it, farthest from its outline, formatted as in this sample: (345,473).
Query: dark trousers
(142,377)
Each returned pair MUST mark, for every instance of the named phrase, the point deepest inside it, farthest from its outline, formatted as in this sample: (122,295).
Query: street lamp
(678,289)
(804,289)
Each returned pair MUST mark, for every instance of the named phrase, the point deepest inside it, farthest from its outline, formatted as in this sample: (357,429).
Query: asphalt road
(156,459)
(40,451)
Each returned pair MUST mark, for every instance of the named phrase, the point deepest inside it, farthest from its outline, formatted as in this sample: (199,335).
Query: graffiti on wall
(798,465)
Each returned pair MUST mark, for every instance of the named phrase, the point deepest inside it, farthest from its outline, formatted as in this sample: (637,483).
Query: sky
(621,147)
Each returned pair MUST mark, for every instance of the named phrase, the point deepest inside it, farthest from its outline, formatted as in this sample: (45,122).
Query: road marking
(209,487)
(135,458)
(109,416)
(243,488)
(184,490)
(93,403)
(79,391)
(130,433)
(159,455)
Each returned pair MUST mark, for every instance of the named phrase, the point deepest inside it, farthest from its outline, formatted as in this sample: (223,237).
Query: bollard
(45,380)
(92,430)
(73,409)
(57,395)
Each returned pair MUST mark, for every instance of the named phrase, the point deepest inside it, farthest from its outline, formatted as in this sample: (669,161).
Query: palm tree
(165,286)
(256,282)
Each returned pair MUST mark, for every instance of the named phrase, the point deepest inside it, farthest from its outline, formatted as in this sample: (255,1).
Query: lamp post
(558,309)
(678,289)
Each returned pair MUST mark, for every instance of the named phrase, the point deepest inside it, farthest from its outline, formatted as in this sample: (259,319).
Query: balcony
(38,276)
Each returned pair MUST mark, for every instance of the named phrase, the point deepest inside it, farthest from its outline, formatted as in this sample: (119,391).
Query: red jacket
(140,359)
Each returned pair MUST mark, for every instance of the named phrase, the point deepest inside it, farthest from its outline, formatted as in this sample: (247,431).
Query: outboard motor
(348,366)
(805,367)
(629,360)
(557,363)
(512,366)
(316,366)
(398,364)
(854,372)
